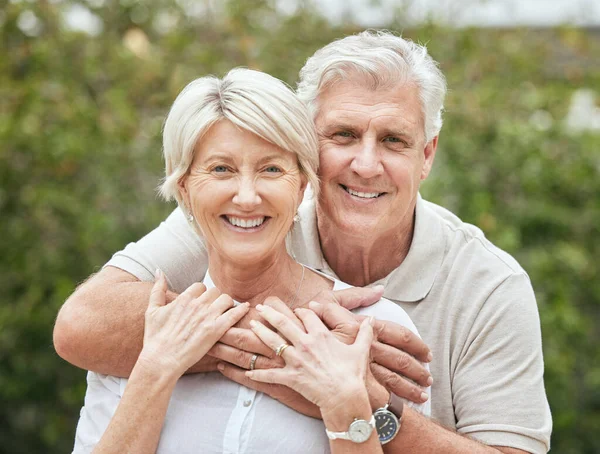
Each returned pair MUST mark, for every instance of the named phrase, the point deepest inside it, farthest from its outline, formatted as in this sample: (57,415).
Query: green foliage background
(80,124)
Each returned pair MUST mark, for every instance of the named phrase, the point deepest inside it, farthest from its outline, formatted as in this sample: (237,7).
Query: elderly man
(377,101)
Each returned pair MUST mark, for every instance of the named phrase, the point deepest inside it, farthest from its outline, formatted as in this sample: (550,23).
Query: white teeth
(364,195)
(245,223)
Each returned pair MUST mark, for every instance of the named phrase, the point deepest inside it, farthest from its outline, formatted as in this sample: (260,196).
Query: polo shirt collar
(412,280)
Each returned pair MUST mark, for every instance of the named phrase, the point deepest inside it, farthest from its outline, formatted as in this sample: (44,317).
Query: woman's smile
(245,224)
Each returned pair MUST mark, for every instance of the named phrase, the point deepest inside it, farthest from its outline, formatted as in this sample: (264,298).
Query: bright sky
(370,13)
(504,13)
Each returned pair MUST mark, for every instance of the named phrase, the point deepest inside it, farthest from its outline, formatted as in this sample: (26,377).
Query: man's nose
(367,163)
(246,196)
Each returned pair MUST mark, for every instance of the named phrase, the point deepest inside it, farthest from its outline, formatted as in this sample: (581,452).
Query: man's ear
(429,154)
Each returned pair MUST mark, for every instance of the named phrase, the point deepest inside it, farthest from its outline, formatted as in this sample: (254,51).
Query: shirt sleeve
(102,398)
(499,376)
(174,247)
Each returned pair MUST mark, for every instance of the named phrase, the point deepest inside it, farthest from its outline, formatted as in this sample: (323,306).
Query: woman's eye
(220,169)
(273,169)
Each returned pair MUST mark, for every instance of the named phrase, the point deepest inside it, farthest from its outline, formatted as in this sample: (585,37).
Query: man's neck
(276,276)
(362,260)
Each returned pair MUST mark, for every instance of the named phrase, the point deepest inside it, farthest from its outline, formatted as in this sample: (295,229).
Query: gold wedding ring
(281,348)
(253,361)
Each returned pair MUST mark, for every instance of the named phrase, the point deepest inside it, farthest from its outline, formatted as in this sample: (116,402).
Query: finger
(270,338)
(400,362)
(229,318)
(311,322)
(281,307)
(245,339)
(398,385)
(403,338)
(242,358)
(277,376)
(353,297)
(364,338)
(221,304)
(194,291)
(238,375)
(334,316)
(158,294)
(281,323)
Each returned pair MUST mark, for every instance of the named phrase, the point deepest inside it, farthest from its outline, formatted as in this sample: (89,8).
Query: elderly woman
(239,154)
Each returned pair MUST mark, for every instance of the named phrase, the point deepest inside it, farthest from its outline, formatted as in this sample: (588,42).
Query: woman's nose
(367,163)
(246,196)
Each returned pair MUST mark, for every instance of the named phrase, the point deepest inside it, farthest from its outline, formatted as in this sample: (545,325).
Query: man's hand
(395,354)
(351,298)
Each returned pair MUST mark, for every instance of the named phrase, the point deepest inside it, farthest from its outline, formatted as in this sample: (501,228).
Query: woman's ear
(303,184)
(183,192)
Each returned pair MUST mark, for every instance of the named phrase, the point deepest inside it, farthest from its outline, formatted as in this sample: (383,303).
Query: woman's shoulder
(384,309)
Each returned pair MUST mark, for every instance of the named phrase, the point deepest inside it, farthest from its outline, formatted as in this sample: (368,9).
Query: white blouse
(208,413)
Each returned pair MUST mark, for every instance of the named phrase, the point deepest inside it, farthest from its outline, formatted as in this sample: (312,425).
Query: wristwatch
(388,419)
(358,432)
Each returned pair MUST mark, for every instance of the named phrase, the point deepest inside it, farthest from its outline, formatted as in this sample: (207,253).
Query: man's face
(373,157)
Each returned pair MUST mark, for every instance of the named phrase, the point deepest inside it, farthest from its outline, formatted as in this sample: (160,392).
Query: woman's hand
(318,365)
(396,351)
(178,334)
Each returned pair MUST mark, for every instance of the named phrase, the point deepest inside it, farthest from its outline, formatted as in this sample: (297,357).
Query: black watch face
(386,424)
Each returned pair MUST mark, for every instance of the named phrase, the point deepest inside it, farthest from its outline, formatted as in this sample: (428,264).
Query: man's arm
(422,435)
(101,326)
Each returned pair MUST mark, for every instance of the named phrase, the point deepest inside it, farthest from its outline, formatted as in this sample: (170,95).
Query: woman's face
(243,192)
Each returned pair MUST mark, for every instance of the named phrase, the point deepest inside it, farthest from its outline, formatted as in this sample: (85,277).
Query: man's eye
(273,169)
(219,169)
(392,139)
(343,134)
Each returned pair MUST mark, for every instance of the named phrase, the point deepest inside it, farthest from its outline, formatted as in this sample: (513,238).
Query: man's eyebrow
(396,133)
(339,126)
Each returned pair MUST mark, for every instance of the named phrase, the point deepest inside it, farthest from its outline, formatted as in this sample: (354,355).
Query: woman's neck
(278,276)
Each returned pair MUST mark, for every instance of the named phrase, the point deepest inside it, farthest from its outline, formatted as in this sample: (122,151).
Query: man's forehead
(345,108)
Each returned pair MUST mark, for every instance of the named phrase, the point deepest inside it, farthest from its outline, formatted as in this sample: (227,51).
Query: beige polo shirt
(471,302)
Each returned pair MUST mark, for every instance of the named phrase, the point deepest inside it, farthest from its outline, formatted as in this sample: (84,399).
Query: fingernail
(221,367)
(430,381)
(424,397)
(379,288)
(371,321)
(429,357)
(157,274)
(248,374)
(252,323)
(259,307)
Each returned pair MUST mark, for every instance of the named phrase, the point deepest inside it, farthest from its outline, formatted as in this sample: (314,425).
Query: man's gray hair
(252,100)
(385,60)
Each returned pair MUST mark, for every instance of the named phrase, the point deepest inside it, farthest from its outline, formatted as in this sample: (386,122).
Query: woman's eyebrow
(272,157)
(217,156)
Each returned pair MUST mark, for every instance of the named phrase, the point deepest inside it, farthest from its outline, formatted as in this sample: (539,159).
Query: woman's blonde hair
(252,100)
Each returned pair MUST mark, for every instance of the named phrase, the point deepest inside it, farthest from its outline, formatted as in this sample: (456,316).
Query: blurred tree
(80,126)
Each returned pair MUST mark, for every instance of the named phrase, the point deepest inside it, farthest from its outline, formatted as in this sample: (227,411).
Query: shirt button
(247,403)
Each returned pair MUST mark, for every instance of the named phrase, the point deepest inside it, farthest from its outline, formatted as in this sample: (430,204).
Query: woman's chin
(247,256)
